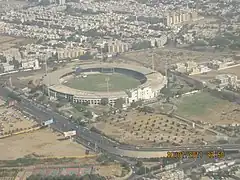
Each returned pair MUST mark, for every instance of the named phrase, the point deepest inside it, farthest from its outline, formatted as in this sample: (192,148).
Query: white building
(7,67)
(160,42)
(30,64)
(140,94)
(117,47)
(227,79)
(180,67)
(62,2)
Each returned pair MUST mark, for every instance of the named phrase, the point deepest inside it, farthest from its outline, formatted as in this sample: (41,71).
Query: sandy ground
(43,142)
(7,42)
(105,171)
(145,130)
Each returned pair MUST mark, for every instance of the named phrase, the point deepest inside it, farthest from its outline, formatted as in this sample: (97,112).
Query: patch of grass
(197,104)
(97,82)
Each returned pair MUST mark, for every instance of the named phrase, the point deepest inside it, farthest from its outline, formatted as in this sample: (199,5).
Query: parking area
(13,120)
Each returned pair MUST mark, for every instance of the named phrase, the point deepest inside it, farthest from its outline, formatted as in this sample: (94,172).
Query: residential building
(62,2)
(117,47)
(7,67)
(64,53)
(190,65)
(30,64)
(226,79)
(160,42)
(180,67)
(173,18)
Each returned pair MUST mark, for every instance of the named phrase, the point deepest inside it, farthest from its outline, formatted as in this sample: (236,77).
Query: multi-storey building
(227,79)
(61,2)
(117,47)
(173,18)
(64,53)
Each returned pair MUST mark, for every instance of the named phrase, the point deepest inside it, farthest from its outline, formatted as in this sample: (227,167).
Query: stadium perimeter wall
(151,82)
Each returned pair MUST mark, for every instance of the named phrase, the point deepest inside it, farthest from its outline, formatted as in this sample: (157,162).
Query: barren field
(43,142)
(207,108)
(110,171)
(7,42)
(212,74)
(151,129)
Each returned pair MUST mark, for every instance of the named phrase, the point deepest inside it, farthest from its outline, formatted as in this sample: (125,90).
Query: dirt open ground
(110,171)
(7,42)
(42,142)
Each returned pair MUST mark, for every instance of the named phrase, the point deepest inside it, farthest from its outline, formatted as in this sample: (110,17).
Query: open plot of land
(7,42)
(212,74)
(42,142)
(207,108)
(97,82)
(7,5)
(151,129)
(170,55)
(111,171)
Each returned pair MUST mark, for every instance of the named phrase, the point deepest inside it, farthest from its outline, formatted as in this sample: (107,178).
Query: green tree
(200,43)
(86,56)
(88,114)
(3,59)
(104,101)
(136,104)
(139,163)
(119,103)
(141,45)
(148,109)
(12,95)
(143,170)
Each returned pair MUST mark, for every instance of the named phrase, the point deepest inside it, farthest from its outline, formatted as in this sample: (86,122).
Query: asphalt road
(63,124)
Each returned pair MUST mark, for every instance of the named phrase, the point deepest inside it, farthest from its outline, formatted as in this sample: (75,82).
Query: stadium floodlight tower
(107,81)
(48,78)
(10,82)
(166,72)
(78,71)
(153,67)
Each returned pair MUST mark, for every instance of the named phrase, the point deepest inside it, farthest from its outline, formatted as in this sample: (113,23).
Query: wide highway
(63,124)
